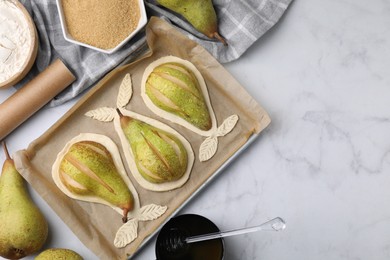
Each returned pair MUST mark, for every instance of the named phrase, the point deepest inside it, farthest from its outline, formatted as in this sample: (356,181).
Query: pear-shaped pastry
(86,169)
(159,156)
(174,89)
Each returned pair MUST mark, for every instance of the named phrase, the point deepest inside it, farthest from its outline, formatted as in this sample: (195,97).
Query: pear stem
(6,151)
(217,36)
(119,112)
(125,212)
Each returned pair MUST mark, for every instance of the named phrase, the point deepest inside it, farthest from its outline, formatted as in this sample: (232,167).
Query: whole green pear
(199,13)
(159,156)
(58,253)
(23,228)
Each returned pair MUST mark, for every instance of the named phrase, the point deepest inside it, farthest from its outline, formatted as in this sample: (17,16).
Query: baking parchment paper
(96,225)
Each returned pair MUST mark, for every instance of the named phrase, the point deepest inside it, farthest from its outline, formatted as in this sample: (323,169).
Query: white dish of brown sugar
(101,25)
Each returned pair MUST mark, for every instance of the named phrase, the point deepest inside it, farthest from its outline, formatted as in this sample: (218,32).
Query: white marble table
(323,74)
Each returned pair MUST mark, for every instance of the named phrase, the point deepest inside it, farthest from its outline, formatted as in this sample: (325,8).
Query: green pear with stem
(88,169)
(199,13)
(23,228)
(58,253)
(160,156)
(174,88)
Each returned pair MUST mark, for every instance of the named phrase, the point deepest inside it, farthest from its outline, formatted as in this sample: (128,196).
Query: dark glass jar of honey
(171,245)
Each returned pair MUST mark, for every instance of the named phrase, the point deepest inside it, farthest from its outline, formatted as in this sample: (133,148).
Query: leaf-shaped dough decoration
(126,233)
(227,125)
(151,212)
(125,92)
(208,148)
(104,114)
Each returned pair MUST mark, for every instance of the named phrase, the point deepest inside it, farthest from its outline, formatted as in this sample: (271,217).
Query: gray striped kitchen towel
(240,22)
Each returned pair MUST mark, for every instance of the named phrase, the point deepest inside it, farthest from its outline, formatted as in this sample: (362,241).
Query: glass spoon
(276,224)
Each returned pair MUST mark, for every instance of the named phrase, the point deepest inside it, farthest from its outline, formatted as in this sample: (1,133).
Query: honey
(171,245)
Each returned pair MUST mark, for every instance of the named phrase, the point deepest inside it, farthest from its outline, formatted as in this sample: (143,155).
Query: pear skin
(23,228)
(160,157)
(199,13)
(58,253)
(175,89)
(88,169)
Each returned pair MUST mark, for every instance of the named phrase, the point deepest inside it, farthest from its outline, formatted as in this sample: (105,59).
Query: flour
(15,40)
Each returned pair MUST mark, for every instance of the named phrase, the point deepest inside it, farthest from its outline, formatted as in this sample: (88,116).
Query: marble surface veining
(323,74)
(324,163)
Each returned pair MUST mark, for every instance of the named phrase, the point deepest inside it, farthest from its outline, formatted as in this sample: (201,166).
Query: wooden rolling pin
(33,96)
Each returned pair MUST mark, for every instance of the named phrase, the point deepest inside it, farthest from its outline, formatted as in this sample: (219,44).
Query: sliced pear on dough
(174,89)
(89,168)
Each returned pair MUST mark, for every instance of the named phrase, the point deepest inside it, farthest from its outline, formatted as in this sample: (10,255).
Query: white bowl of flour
(18,42)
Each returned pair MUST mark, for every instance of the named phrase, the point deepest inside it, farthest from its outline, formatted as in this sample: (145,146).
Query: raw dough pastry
(172,117)
(210,145)
(112,148)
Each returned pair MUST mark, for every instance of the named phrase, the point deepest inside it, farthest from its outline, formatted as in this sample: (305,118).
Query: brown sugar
(101,23)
